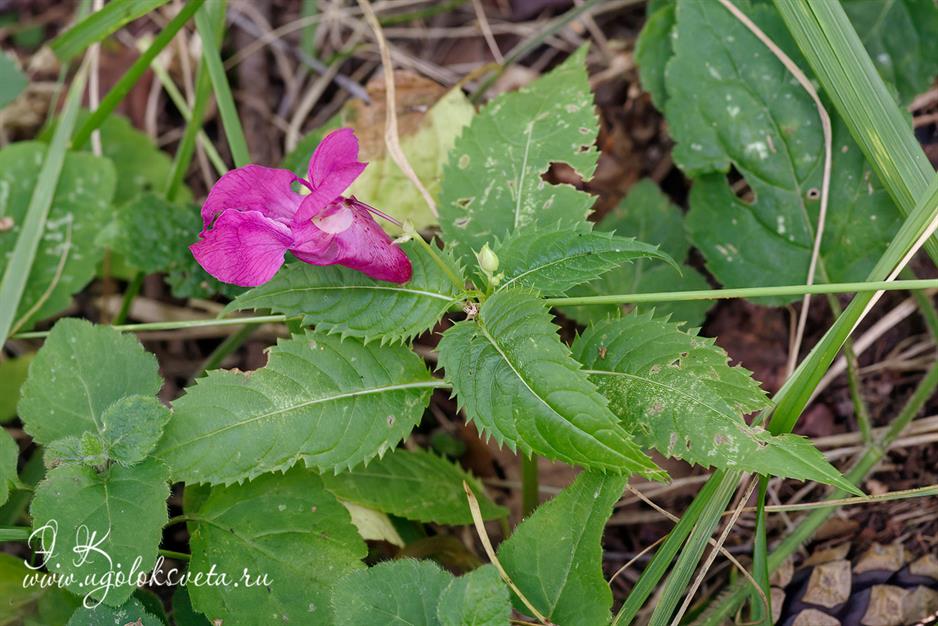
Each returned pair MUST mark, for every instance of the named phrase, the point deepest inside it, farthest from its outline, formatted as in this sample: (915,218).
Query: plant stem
(172,554)
(129,294)
(15,533)
(530,497)
(229,345)
(443,265)
(179,324)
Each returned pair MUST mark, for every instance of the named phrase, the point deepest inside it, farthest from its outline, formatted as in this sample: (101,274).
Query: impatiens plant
(278,478)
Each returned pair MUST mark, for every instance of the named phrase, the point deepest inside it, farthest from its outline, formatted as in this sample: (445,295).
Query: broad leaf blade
(675,392)
(131,427)
(518,383)
(329,402)
(340,300)
(554,261)
(478,598)
(9,454)
(415,485)
(13,374)
(492,185)
(285,526)
(653,50)
(130,612)
(12,80)
(555,556)
(78,373)
(396,593)
(128,505)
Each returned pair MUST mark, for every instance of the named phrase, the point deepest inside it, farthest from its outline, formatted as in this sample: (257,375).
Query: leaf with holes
(555,556)
(518,383)
(756,118)
(415,485)
(478,598)
(120,511)
(648,215)
(329,402)
(340,300)
(394,592)
(80,371)
(675,392)
(287,528)
(556,260)
(492,185)
(69,249)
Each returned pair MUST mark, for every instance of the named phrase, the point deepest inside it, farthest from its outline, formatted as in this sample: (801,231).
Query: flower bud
(488,260)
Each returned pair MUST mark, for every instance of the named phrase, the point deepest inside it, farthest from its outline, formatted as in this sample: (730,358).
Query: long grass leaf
(115,15)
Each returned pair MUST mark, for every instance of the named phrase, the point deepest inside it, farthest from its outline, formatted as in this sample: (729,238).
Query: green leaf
(287,527)
(12,80)
(99,24)
(555,556)
(12,376)
(518,383)
(902,40)
(675,392)
(123,510)
(340,300)
(757,118)
(492,185)
(329,402)
(415,485)
(9,455)
(30,604)
(183,613)
(393,593)
(131,427)
(648,215)
(478,598)
(554,261)
(130,612)
(653,50)
(88,449)
(373,525)
(78,373)
(68,250)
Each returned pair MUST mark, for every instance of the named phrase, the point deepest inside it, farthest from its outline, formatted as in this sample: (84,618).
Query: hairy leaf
(756,118)
(394,593)
(13,373)
(675,392)
(287,527)
(329,402)
(648,215)
(130,612)
(12,80)
(120,511)
(69,249)
(339,300)
(492,185)
(415,485)
(555,556)
(518,383)
(555,261)
(131,427)
(88,449)
(9,454)
(478,598)
(78,373)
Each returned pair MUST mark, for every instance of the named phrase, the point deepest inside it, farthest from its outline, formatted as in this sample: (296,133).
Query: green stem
(745,292)
(443,265)
(120,90)
(229,345)
(129,294)
(172,554)
(530,497)
(176,325)
(15,533)
(761,614)
(183,157)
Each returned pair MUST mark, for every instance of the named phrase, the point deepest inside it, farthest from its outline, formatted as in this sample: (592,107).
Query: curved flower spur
(258,217)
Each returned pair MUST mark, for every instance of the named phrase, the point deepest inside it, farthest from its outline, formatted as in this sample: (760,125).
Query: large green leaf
(285,527)
(555,556)
(329,402)
(9,455)
(555,260)
(12,80)
(131,427)
(393,593)
(415,485)
(756,118)
(492,185)
(30,604)
(648,215)
(70,248)
(121,512)
(131,612)
(339,300)
(13,373)
(518,383)
(675,392)
(653,50)
(478,598)
(78,373)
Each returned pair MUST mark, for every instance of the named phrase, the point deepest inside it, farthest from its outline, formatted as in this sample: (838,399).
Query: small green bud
(488,260)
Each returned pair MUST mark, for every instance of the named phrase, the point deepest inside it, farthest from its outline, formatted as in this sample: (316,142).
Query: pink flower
(258,217)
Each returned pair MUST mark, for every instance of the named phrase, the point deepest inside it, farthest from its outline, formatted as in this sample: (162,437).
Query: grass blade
(113,16)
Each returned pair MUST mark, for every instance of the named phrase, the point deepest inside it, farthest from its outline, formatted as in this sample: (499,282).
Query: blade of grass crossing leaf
(760,567)
(18,268)
(115,15)
(183,157)
(123,86)
(210,29)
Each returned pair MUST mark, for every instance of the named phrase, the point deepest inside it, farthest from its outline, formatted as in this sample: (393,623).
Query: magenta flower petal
(253,188)
(333,167)
(357,241)
(243,247)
